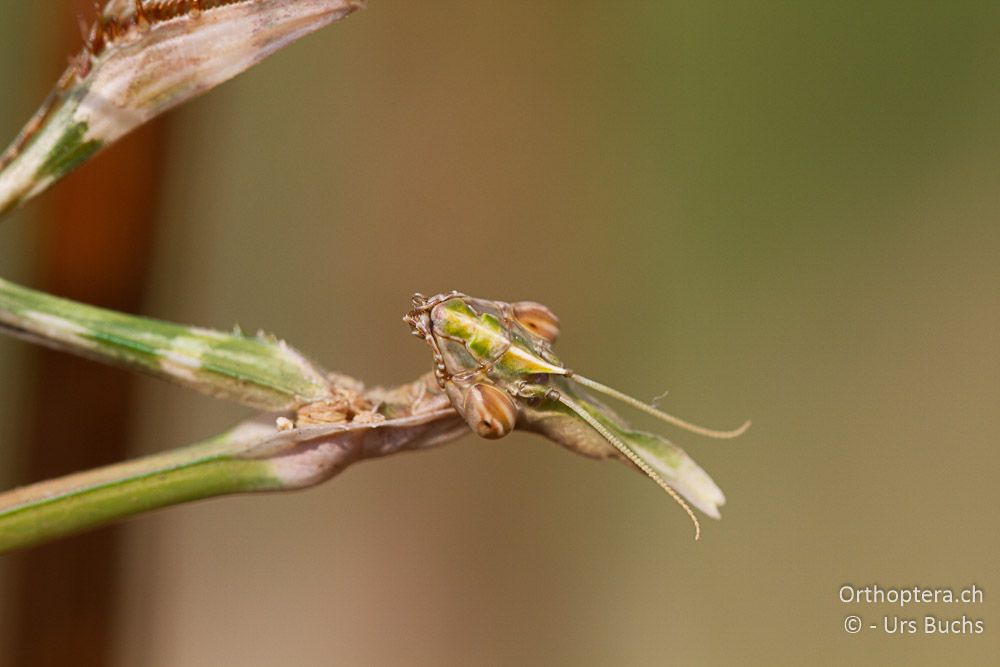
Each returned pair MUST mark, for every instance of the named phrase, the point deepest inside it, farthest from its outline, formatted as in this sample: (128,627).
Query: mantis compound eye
(537,319)
(490,412)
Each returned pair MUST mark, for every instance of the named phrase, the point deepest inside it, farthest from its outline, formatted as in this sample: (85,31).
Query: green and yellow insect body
(486,335)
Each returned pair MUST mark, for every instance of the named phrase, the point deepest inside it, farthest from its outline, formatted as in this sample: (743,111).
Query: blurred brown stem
(98,227)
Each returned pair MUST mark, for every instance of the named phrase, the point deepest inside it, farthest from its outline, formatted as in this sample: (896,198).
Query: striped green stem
(258,371)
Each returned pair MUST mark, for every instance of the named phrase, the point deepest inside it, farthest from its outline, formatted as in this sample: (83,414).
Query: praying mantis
(494,368)
(494,361)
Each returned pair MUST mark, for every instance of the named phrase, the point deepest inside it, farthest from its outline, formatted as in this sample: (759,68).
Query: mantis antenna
(629,454)
(659,414)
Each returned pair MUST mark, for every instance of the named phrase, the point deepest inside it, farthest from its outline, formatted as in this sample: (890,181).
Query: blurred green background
(782,211)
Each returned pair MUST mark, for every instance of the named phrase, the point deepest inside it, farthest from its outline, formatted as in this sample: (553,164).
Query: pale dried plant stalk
(141,59)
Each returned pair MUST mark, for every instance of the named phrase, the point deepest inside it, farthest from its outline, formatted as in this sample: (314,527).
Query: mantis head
(494,360)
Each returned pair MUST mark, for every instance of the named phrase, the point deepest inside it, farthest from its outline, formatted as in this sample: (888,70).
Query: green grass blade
(259,371)
(41,512)
(255,456)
